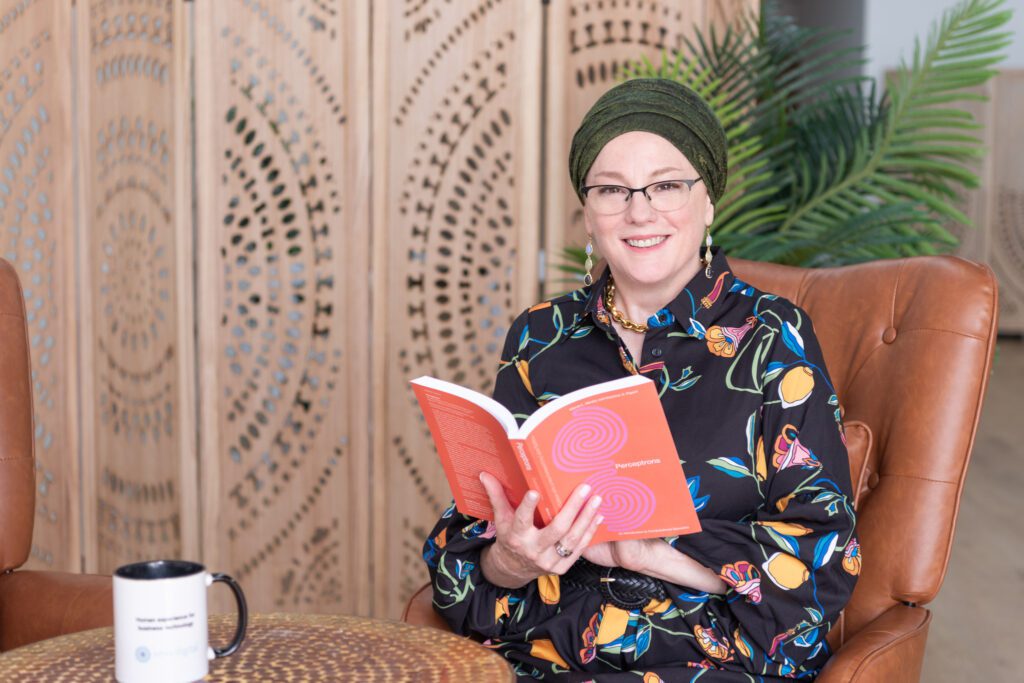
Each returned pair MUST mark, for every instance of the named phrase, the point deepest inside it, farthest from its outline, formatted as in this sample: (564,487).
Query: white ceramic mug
(160,631)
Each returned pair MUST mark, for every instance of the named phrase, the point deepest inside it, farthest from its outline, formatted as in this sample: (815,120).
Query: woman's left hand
(634,555)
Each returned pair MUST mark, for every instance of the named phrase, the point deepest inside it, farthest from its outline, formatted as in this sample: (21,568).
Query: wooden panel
(132,340)
(974,239)
(721,14)
(1006,199)
(36,213)
(283,298)
(996,206)
(458,89)
(590,45)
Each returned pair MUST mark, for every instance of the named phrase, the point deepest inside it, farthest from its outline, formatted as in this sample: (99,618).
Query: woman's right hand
(521,552)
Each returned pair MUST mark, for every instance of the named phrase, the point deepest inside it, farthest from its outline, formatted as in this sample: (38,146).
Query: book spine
(524,459)
(533,479)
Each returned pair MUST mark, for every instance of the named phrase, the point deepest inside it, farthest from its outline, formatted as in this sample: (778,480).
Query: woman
(753,415)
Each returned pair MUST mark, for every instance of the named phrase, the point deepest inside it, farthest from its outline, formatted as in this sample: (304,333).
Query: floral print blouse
(755,420)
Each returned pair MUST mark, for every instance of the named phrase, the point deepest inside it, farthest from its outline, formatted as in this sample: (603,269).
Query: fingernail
(480,477)
(595,502)
(585,489)
(532,496)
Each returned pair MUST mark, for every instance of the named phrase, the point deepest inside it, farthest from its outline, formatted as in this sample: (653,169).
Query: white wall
(890,27)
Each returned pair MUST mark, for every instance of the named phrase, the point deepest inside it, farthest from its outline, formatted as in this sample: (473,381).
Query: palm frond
(826,168)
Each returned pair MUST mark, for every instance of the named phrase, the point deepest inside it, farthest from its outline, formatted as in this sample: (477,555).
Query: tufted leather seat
(33,604)
(909,345)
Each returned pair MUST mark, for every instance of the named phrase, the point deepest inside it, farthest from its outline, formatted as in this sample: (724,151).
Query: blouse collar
(697,306)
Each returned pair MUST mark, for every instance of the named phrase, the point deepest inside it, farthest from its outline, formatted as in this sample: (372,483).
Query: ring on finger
(562,550)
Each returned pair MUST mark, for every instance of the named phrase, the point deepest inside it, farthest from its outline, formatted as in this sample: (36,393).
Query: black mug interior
(159,569)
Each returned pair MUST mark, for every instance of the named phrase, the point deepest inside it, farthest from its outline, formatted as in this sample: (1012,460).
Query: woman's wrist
(668,564)
(495,567)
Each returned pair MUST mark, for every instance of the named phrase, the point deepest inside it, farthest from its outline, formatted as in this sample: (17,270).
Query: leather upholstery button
(873,480)
(889,336)
(842,410)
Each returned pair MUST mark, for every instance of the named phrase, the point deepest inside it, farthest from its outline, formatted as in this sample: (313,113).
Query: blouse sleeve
(791,565)
(462,596)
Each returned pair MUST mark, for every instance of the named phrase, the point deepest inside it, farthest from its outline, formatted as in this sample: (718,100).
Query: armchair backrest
(17,461)
(909,345)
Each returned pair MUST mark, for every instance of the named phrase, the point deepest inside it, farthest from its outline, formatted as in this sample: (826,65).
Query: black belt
(623,588)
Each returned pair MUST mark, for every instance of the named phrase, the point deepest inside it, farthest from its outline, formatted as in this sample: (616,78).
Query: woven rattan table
(283,647)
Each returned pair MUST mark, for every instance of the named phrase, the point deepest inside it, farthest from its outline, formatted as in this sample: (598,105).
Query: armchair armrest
(889,649)
(36,605)
(419,611)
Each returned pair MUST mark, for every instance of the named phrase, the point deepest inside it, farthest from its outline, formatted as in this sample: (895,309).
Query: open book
(612,435)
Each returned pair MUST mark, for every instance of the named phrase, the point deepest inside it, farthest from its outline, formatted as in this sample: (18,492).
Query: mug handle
(243,616)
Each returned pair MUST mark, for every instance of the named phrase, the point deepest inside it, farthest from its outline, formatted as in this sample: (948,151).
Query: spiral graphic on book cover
(587,443)
(588,440)
(626,502)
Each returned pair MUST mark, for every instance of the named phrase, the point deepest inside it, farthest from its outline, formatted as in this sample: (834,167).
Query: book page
(493,408)
(470,440)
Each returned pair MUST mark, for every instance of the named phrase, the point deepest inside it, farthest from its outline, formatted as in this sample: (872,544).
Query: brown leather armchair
(33,604)
(909,346)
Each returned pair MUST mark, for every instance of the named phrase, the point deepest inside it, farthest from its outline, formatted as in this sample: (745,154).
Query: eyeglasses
(664,195)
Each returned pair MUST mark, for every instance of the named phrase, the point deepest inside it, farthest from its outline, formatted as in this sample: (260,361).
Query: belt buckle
(609,595)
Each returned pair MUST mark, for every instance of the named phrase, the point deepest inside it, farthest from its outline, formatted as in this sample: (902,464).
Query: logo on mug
(142,654)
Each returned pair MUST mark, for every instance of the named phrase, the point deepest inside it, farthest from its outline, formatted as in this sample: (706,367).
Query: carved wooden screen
(226,360)
(460,98)
(130,224)
(36,211)
(1006,198)
(282,104)
(996,206)
(591,43)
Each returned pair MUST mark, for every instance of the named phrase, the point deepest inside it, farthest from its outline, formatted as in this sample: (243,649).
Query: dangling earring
(707,252)
(588,279)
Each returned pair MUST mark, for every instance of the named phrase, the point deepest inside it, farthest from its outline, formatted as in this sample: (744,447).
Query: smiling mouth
(648,242)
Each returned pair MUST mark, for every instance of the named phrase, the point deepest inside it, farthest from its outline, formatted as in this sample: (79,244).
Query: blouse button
(656,352)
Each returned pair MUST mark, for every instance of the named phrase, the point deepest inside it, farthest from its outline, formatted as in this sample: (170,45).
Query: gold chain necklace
(609,303)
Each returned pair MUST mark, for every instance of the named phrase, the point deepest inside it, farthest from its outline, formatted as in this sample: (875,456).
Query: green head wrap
(659,106)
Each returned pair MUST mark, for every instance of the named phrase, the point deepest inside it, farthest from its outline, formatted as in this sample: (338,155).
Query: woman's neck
(639,301)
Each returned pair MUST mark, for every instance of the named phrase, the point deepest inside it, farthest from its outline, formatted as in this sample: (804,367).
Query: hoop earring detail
(588,278)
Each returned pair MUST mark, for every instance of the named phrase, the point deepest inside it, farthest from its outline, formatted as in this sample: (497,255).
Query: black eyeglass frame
(585,189)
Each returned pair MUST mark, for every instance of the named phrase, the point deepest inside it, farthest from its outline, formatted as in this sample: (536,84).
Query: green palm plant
(825,169)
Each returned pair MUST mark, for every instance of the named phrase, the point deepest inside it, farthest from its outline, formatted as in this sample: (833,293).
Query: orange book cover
(612,435)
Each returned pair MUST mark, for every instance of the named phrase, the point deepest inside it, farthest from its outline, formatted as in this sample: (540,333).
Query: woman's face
(644,246)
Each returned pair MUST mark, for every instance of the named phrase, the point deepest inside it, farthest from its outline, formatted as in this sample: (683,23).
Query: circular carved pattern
(15,11)
(284,647)
(135,282)
(132,29)
(420,24)
(132,252)
(313,579)
(30,180)
(458,205)
(280,352)
(135,279)
(640,28)
(312,15)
